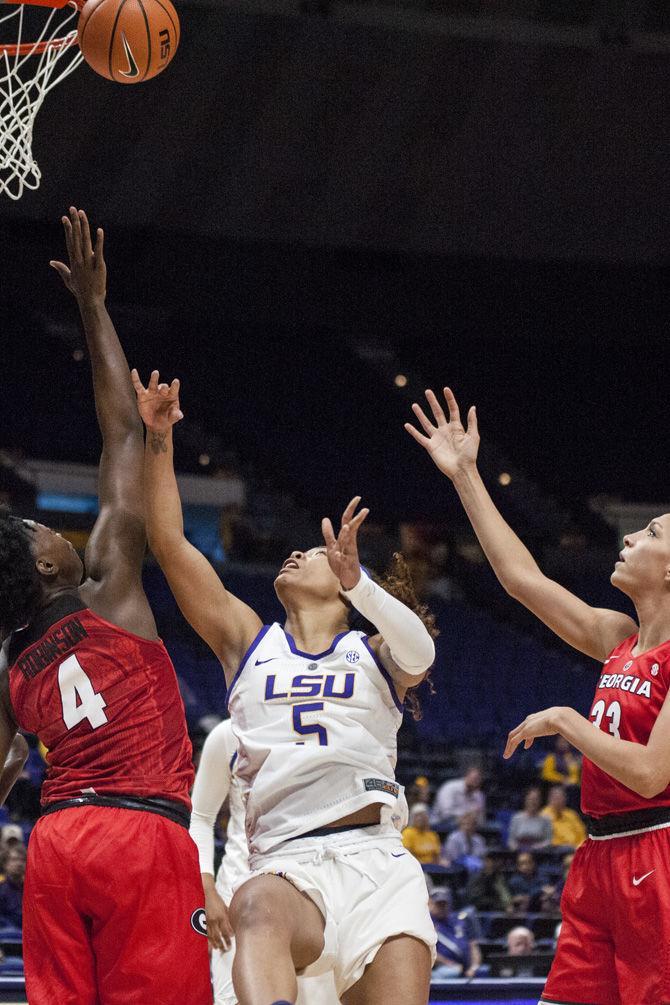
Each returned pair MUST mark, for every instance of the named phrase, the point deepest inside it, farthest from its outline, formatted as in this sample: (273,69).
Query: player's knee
(258,905)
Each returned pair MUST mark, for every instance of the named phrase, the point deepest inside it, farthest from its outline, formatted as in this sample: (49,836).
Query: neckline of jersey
(313,656)
(633,642)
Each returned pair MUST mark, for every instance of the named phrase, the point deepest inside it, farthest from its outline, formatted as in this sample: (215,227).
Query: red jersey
(104,702)
(629,696)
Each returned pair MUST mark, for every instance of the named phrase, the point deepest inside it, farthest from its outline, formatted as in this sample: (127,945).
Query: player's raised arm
(225,623)
(116,547)
(453,448)
(404,644)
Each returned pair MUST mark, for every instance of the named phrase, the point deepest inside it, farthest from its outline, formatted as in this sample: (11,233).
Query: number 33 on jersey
(629,695)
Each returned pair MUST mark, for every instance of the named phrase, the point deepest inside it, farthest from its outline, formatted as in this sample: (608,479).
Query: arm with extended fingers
(644,768)
(403,644)
(226,624)
(453,448)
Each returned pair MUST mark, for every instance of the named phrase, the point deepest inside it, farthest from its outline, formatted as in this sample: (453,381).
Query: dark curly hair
(397,580)
(20,589)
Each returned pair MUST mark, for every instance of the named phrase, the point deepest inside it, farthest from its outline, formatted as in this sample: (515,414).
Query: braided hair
(20,587)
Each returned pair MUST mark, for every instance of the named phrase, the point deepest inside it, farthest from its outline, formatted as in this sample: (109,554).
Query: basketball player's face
(644,562)
(51,549)
(307,572)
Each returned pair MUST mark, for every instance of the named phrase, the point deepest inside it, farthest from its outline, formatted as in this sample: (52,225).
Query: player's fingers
(99,246)
(174,387)
(436,407)
(76,234)
(428,426)
(153,381)
(86,245)
(452,405)
(175,414)
(328,532)
(358,519)
(62,270)
(137,383)
(415,434)
(351,509)
(164,390)
(67,229)
(473,428)
(529,742)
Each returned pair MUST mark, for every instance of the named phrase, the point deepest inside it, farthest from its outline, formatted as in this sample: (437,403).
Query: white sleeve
(212,784)
(411,647)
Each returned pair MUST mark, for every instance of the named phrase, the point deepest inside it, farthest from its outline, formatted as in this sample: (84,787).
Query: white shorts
(311,990)
(367,887)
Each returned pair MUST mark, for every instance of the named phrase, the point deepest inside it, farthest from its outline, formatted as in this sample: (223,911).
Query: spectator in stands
(419,839)
(568,830)
(11,889)
(550,901)
(487,890)
(464,845)
(11,836)
(419,791)
(458,952)
(520,941)
(459,796)
(526,884)
(563,765)
(528,828)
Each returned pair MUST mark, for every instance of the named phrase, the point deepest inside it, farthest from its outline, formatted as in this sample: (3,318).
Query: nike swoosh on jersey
(261,662)
(133,69)
(636,881)
(398,854)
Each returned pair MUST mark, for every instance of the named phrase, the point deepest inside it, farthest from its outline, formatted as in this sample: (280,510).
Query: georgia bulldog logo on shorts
(199,921)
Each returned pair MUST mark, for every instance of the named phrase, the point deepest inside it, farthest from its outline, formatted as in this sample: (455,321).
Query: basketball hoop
(28,71)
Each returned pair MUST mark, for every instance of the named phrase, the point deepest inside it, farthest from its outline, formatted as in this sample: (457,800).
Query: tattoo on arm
(157,443)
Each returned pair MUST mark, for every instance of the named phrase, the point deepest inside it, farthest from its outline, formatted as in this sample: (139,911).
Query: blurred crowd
(495,880)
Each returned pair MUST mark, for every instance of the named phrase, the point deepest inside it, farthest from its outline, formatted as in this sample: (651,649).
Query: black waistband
(621,823)
(174,811)
(325,831)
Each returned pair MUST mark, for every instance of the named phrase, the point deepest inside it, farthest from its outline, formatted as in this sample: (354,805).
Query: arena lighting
(204,460)
(78,355)
(400,380)
(504,478)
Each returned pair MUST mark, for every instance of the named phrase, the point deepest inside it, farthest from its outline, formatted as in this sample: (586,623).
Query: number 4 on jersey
(79,699)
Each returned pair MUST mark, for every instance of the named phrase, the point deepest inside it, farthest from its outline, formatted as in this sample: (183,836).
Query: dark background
(305,204)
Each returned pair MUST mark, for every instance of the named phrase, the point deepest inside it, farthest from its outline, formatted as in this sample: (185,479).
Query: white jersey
(216,779)
(316,734)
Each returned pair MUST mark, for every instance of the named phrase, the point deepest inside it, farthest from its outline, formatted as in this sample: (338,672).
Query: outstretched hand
(538,724)
(451,447)
(158,404)
(86,278)
(342,551)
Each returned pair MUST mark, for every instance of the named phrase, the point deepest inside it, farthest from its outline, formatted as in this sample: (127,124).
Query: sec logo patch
(353,656)
(199,921)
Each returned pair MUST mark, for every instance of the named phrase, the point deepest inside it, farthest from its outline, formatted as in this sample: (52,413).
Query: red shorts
(614,946)
(112,911)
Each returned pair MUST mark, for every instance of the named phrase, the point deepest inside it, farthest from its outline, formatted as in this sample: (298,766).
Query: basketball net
(31,65)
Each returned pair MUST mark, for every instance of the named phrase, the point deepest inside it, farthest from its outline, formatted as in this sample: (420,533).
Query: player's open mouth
(290,563)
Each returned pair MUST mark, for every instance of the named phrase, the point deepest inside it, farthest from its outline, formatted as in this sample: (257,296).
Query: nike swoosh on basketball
(636,881)
(133,69)
(261,662)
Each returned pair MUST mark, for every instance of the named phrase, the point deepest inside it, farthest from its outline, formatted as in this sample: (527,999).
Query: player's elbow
(652,783)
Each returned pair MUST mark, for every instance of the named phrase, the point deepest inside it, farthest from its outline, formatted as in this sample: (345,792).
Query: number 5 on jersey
(79,699)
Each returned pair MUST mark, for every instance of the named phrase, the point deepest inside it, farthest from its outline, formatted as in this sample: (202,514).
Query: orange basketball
(128,40)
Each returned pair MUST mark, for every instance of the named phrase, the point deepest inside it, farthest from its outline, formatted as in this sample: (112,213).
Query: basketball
(128,41)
